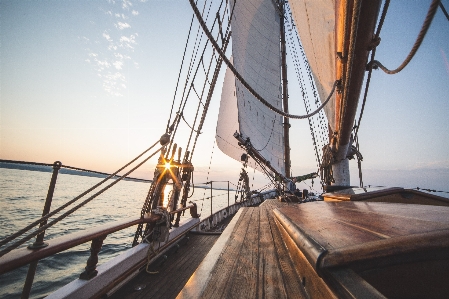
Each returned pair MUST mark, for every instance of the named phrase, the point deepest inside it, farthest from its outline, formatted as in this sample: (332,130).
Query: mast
(285,92)
(355,24)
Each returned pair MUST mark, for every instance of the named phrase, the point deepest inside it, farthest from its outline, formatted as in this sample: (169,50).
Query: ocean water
(22,198)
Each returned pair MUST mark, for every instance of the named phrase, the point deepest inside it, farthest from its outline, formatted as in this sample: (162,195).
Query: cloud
(127,42)
(126,4)
(122,26)
(107,36)
(110,50)
(118,64)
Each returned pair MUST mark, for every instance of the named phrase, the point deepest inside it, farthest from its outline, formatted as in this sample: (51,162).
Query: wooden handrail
(23,256)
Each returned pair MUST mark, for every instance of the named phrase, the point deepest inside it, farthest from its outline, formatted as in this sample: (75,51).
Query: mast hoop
(240,78)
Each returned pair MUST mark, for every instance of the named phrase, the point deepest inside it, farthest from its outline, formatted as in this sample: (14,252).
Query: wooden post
(90,271)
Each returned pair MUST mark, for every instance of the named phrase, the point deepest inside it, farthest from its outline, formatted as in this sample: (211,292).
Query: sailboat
(351,242)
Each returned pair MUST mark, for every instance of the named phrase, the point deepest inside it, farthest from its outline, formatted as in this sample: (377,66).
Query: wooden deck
(328,250)
(172,274)
(318,249)
(253,263)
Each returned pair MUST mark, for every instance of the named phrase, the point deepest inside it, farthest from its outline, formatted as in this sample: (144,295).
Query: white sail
(256,56)
(228,122)
(315,22)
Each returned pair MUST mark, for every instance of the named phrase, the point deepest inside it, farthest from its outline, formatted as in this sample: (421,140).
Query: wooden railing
(23,256)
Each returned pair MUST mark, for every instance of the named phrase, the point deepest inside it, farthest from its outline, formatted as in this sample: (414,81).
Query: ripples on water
(22,198)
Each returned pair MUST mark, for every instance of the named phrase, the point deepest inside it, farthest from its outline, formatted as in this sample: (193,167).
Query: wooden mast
(285,92)
(355,23)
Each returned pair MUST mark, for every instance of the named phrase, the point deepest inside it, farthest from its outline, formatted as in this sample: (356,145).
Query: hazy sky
(90,83)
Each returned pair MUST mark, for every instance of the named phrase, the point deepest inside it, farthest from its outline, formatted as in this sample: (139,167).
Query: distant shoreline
(42,167)
(34,166)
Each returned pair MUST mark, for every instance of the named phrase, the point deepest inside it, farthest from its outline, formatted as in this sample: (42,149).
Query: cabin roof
(386,194)
(340,233)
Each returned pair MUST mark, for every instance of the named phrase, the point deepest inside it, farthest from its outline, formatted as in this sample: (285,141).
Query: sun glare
(167,165)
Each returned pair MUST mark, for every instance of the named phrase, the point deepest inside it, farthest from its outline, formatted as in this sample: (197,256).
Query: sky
(90,83)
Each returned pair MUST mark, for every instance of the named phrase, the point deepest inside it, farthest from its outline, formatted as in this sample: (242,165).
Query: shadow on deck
(171,273)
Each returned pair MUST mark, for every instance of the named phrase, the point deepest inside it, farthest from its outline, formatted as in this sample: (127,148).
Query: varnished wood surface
(384,194)
(172,274)
(23,256)
(358,231)
(255,262)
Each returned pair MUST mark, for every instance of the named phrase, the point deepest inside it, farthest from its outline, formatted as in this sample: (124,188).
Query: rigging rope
(326,173)
(430,14)
(193,58)
(272,129)
(198,132)
(44,227)
(179,74)
(318,138)
(214,80)
(359,162)
(444,11)
(244,83)
(45,217)
(376,41)
(207,177)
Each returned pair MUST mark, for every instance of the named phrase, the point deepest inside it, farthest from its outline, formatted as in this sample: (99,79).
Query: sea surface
(22,198)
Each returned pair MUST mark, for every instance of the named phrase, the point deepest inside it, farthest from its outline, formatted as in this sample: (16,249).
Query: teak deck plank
(173,274)
(246,272)
(255,262)
(177,277)
(224,266)
(291,278)
(270,277)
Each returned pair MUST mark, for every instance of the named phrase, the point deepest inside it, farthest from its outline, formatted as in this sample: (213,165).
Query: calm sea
(22,198)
